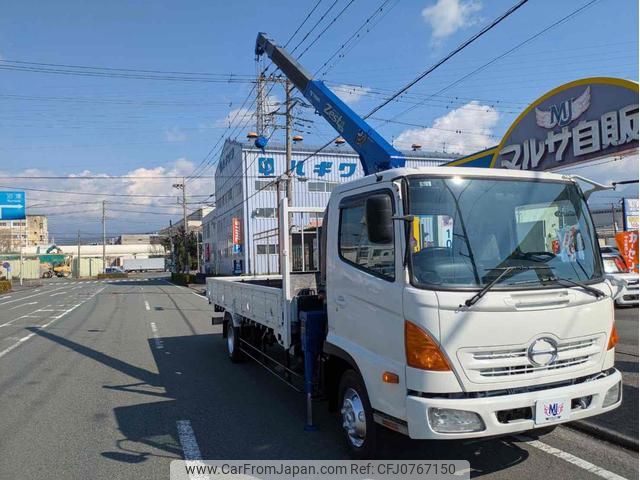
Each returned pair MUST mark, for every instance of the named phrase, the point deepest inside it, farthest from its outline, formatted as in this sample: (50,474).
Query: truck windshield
(466,231)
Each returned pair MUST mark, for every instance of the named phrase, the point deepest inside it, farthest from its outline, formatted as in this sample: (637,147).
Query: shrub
(5,286)
(182,278)
(102,276)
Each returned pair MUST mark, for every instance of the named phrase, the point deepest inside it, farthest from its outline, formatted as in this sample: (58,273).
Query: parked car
(609,249)
(616,269)
(114,270)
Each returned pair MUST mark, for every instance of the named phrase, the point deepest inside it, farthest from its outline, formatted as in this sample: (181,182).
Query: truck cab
(466,303)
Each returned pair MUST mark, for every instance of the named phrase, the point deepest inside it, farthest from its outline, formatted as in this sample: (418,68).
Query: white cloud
(448,16)
(350,94)
(467,129)
(174,135)
(69,213)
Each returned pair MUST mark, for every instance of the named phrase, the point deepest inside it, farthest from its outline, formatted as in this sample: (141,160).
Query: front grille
(484,365)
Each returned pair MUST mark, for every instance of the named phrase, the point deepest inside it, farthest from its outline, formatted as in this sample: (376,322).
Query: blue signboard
(12,206)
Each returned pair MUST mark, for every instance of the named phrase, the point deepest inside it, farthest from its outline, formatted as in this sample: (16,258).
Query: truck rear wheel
(357,416)
(233,341)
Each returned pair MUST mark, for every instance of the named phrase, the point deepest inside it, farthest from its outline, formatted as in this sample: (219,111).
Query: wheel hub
(354,420)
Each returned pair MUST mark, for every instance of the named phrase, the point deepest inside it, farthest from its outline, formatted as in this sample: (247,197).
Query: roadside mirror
(379,218)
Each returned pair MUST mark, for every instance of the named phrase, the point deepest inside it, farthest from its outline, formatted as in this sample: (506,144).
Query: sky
(83,122)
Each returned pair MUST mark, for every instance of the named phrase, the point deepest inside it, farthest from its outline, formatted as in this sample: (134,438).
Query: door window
(354,244)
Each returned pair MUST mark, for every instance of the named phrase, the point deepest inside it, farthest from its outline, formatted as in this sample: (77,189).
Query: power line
(450,55)
(504,54)
(326,12)
(355,37)
(135,70)
(303,22)
(94,194)
(340,13)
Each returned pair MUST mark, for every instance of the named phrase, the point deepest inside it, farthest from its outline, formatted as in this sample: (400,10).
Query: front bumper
(629,296)
(488,407)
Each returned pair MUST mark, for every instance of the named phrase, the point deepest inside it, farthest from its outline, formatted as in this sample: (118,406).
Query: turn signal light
(422,351)
(613,338)
(390,377)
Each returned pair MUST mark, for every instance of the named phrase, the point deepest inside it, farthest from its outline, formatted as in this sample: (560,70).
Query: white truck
(494,316)
(144,264)
(449,302)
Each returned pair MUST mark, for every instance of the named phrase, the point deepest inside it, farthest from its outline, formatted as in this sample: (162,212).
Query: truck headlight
(613,395)
(448,420)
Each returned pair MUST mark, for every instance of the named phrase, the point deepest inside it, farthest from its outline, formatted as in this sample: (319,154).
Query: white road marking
(23,305)
(146,305)
(156,336)
(188,441)
(59,293)
(200,296)
(53,319)
(28,296)
(27,315)
(568,457)
(5,296)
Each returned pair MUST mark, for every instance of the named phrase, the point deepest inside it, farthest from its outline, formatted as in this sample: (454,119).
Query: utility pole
(198,248)
(187,261)
(78,261)
(104,238)
(260,105)
(186,227)
(289,124)
(173,252)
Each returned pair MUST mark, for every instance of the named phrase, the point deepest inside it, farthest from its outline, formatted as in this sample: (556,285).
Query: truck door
(364,298)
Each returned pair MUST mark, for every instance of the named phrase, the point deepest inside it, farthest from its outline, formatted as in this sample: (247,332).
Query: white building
(246,194)
(208,242)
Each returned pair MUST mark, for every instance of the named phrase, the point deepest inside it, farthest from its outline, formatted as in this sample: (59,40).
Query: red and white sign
(628,246)
(236,238)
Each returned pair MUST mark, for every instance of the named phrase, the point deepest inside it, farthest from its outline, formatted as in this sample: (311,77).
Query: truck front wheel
(357,416)
(233,341)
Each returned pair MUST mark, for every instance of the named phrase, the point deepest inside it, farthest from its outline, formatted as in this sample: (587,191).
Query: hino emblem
(543,351)
(565,112)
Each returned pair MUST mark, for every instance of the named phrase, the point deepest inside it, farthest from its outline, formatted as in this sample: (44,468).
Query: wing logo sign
(577,122)
(565,112)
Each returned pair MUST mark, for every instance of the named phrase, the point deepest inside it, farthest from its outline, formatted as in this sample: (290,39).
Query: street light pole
(104,238)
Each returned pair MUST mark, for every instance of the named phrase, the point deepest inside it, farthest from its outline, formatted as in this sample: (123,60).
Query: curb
(606,434)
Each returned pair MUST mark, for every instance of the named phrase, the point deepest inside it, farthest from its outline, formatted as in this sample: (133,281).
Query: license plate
(549,411)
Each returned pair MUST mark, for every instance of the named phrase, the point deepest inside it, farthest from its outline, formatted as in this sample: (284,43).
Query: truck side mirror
(379,218)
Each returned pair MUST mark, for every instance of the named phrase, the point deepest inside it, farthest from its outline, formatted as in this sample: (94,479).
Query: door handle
(340,300)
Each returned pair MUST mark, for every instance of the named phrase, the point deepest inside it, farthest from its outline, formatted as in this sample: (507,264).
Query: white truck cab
(459,303)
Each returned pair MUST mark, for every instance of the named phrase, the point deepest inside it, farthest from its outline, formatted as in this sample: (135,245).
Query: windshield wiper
(567,281)
(489,286)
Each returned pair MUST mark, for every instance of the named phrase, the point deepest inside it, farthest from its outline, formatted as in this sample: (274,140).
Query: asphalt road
(95,379)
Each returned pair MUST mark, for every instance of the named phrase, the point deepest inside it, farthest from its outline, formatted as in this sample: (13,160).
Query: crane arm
(376,154)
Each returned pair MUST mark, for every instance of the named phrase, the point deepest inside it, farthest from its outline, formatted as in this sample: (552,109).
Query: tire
(356,416)
(233,342)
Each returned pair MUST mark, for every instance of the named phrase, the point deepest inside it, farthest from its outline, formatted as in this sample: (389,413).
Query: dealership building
(241,231)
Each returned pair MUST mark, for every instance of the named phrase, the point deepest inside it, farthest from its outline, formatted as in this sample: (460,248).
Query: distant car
(609,249)
(615,268)
(113,270)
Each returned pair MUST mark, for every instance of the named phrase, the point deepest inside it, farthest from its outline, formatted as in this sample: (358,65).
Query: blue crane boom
(376,154)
